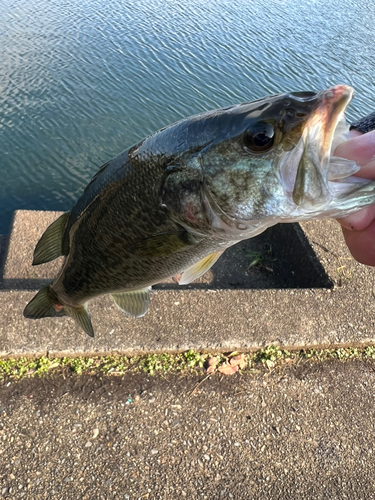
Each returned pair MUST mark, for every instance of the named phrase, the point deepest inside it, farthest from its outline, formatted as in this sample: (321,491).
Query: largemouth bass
(174,202)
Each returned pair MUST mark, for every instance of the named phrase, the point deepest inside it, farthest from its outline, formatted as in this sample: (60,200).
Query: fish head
(264,162)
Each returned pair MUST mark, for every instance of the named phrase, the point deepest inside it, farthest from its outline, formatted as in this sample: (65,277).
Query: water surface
(82,81)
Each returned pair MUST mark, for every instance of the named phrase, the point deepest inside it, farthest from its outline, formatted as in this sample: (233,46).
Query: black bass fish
(174,202)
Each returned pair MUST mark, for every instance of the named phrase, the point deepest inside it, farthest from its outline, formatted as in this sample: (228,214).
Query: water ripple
(81,81)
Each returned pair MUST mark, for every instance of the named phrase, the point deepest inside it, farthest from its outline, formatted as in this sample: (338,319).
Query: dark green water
(82,81)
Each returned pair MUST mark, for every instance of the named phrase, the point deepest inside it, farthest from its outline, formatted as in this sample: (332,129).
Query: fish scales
(121,217)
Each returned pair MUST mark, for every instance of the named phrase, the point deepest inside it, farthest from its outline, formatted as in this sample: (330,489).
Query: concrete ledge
(337,308)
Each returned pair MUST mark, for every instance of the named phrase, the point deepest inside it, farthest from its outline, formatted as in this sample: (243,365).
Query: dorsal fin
(50,245)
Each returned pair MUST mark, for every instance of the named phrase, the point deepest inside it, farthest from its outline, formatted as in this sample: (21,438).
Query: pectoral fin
(199,268)
(50,245)
(134,303)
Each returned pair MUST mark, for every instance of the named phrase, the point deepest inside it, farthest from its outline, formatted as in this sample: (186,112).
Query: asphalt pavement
(306,431)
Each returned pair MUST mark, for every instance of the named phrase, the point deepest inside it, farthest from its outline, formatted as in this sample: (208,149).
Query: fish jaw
(311,189)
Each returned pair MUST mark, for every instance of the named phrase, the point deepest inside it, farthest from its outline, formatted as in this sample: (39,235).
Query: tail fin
(45,304)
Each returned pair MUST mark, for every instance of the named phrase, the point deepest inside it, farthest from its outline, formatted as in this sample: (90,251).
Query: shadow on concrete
(281,257)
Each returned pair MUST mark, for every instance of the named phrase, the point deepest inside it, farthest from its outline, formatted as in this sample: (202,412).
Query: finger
(355,133)
(367,171)
(359,220)
(362,244)
(360,149)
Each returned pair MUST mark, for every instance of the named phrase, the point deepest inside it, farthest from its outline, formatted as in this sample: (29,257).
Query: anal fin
(134,303)
(50,245)
(82,317)
(199,268)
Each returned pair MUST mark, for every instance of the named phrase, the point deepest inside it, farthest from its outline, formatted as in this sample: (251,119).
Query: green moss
(270,355)
(18,368)
(194,359)
(78,365)
(152,363)
(370,352)
(191,361)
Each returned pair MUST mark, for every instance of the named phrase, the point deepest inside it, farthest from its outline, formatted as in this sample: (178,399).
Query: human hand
(359,228)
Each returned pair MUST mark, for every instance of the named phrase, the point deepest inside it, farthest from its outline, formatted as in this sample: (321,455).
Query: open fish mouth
(315,169)
(322,124)
(324,185)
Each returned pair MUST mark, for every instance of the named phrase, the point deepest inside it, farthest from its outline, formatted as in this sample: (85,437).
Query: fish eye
(260,138)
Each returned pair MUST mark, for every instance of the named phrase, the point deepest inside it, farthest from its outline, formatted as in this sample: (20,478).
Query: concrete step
(307,292)
(3,244)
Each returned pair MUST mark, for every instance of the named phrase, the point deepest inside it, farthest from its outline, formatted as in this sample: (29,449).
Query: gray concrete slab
(203,316)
